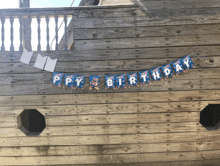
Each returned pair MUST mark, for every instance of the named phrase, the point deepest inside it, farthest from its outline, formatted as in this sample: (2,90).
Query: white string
(61,25)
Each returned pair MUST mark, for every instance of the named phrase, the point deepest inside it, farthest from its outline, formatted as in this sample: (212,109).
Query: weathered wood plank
(142,32)
(202,136)
(198,136)
(118,67)
(107,149)
(164,163)
(164,4)
(100,11)
(82,150)
(8,121)
(129,11)
(168,85)
(122,158)
(154,20)
(108,98)
(147,42)
(117,129)
(72,140)
(108,109)
(116,54)
(122,119)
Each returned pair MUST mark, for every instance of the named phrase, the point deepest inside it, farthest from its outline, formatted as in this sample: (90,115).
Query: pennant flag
(50,65)
(40,61)
(156,74)
(120,81)
(187,63)
(79,81)
(132,79)
(167,71)
(26,57)
(69,81)
(57,79)
(110,82)
(144,77)
(178,67)
(94,82)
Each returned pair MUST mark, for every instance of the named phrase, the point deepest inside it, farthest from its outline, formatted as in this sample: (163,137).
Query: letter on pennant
(132,79)
(120,81)
(109,82)
(156,74)
(57,79)
(79,81)
(167,71)
(69,81)
(187,63)
(178,67)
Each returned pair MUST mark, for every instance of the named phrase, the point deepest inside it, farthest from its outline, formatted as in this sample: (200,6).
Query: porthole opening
(31,122)
(210,117)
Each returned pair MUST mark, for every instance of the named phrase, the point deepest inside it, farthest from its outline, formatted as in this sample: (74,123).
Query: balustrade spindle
(12,33)
(65,32)
(29,32)
(56,30)
(39,38)
(48,36)
(20,22)
(3,33)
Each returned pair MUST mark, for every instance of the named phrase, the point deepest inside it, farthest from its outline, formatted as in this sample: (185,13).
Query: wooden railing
(24,19)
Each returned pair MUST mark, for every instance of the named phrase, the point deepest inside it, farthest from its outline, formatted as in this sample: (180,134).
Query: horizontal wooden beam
(110,98)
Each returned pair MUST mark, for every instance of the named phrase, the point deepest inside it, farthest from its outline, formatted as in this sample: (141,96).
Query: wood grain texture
(110,98)
(123,119)
(165,163)
(142,32)
(122,158)
(151,138)
(167,4)
(147,42)
(107,149)
(128,11)
(118,67)
(105,129)
(109,109)
(154,20)
(151,125)
(118,54)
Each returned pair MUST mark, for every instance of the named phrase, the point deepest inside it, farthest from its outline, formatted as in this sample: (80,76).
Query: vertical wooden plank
(3,33)
(65,32)
(20,22)
(12,34)
(29,32)
(48,35)
(38,31)
(56,30)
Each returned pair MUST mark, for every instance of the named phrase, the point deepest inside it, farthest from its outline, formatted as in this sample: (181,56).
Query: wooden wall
(151,125)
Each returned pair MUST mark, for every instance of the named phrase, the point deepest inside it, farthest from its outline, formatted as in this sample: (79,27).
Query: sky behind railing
(35,4)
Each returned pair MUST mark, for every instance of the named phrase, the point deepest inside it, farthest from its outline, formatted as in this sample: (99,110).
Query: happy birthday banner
(118,81)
